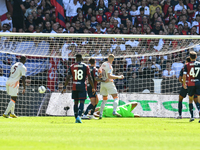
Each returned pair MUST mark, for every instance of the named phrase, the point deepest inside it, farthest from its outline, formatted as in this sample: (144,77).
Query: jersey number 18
(78,74)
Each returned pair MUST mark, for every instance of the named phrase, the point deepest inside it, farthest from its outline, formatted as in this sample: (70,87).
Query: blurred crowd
(163,17)
(151,17)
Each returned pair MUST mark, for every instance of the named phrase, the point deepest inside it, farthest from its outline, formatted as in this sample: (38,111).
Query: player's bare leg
(115,104)
(191,98)
(105,98)
(10,107)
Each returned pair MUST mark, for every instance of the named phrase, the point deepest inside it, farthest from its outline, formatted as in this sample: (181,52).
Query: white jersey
(106,68)
(17,71)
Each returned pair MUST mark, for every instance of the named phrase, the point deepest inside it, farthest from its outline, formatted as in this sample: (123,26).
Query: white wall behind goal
(149,105)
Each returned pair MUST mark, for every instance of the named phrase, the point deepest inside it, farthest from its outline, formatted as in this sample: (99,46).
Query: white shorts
(12,91)
(108,88)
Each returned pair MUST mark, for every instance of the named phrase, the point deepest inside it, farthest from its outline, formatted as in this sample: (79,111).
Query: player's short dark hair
(188,59)
(23,58)
(193,54)
(92,61)
(78,56)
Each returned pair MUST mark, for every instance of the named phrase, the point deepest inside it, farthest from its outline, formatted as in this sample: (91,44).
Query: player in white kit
(106,88)
(17,71)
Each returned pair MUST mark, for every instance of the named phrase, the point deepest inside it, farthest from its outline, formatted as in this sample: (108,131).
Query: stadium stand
(159,17)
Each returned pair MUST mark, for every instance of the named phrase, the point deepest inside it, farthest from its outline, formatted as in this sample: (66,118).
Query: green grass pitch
(44,133)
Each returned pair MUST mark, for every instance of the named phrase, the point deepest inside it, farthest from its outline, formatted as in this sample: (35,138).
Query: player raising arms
(93,96)
(183,93)
(17,71)
(192,70)
(109,87)
(79,71)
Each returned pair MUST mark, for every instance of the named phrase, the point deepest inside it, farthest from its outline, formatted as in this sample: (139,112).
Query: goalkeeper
(124,110)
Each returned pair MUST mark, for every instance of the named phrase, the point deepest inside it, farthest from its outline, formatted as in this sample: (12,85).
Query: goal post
(150,63)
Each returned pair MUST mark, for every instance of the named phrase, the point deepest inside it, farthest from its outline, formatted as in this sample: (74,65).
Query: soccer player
(183,93)
(17,71)
(79,72)
(109,87)
(124,110)
(93,96)
(192,70)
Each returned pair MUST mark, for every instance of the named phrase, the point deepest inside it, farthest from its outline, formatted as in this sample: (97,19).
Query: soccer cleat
(179,117)
(85,117)
(116,114)
(78,120)
(5,116)
(92,117)
(13,116)
(100,116)
(191,119)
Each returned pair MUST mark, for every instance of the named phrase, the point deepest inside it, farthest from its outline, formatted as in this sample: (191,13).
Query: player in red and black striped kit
(183,92)
(79,72)
(93,96)
(192,69)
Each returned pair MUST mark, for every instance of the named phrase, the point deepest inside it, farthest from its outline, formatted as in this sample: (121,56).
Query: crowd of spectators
(165,17)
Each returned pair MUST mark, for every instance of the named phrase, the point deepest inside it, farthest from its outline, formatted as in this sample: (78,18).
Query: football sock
(88,108)
(80,109)
(92,111)
(13,109)
(102,106)
(191,109)
(115,103)
(180,108)
(75,111)
(10,105)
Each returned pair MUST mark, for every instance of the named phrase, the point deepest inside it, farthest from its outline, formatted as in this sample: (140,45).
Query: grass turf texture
(44,133)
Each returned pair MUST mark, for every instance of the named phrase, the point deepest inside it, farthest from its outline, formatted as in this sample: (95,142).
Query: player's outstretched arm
(24,83)
(115,77)
(66,82)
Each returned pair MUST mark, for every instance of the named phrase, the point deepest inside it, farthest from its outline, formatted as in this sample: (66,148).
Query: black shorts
(183,92)
(79,95)
(91,94)
(192,90)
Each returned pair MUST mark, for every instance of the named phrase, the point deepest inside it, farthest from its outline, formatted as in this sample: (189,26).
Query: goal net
(151,65)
